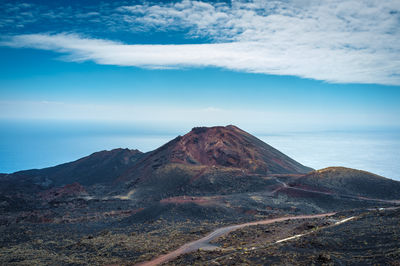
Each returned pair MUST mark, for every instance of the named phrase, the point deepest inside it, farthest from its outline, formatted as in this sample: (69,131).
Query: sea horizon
(33,145)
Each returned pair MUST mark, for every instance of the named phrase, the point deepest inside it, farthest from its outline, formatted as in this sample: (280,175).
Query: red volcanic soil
(70,190)
(189,199)
(230,146)
(218,146)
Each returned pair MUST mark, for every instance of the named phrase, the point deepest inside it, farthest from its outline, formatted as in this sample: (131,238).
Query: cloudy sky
(257,64)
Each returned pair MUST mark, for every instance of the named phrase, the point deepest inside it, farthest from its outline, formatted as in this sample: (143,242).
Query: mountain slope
(219,147)
(97,168)
(352,182)
(124,206)
(206,161)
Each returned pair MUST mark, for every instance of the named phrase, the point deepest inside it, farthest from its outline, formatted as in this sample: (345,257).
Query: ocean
(28,145)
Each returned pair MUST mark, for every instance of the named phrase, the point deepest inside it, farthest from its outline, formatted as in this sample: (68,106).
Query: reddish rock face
(221,146)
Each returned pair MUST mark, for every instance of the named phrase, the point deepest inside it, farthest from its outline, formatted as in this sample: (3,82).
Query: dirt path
(204,242)
(286,186)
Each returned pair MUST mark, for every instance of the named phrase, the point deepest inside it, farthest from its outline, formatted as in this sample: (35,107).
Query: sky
(262,65)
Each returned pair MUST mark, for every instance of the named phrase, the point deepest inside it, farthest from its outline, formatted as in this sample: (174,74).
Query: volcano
(195,157)
(123,206)
(227,146)
(216,147)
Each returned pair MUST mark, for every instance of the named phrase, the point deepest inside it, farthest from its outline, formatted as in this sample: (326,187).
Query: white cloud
(334,65)
(335,41)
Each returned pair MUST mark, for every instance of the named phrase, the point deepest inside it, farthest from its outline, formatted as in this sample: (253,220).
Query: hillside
(209,160)
(223,146)
(366,239)
(99,167)
(124,206)
(350,181)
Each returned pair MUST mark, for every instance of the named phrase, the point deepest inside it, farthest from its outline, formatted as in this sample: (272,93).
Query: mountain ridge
(124,206)
(193,161)
(218,146)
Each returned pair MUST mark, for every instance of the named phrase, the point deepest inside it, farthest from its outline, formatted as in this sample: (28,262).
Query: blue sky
(262,65)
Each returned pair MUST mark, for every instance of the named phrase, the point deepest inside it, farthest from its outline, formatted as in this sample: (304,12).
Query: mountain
(207,150)
(124,206)
(25,189)
(350,182)
(224,146)
(99,167)
(227,146)
(205,161)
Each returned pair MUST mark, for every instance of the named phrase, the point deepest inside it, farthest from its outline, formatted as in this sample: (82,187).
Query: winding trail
(286,186)
(204,243)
